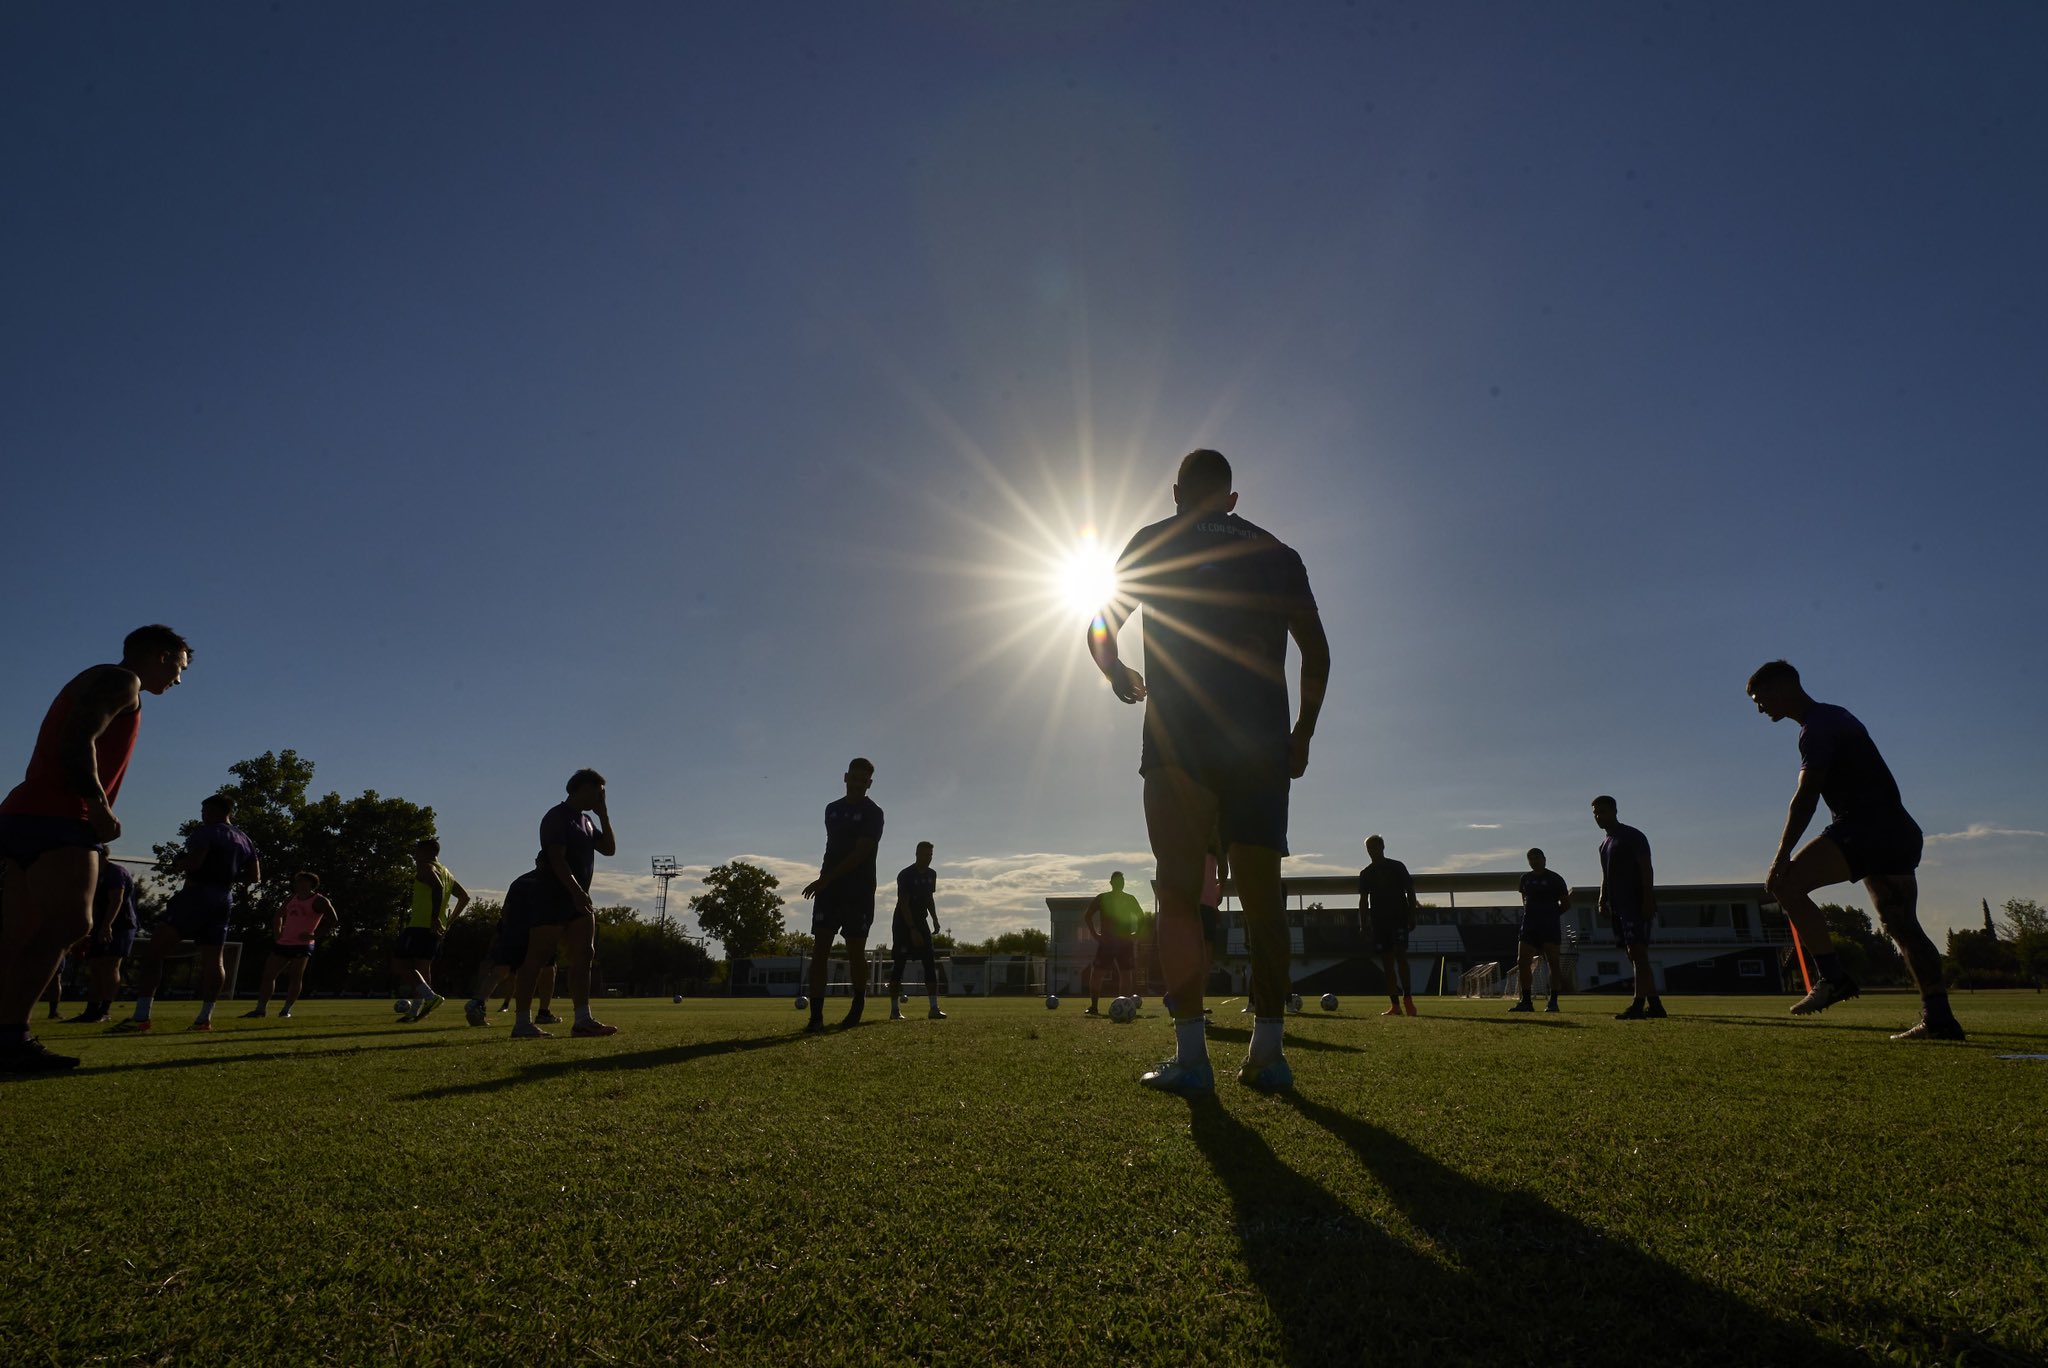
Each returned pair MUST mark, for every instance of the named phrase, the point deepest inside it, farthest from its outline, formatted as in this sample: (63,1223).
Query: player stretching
(292,935)
(1872,840)
(1628,899)
(1113,918)
(917,888)
(218,857)
(419,940)
(508,948)
(564,919)
(1220,597)
(114,924)
(1544,894)
(845,891)
(1387,890)
(54,826)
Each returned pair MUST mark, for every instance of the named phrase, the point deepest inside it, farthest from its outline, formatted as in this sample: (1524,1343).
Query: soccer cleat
(528,1032)
(1183,1079)
(1633,1012)
(427,1004)
(1553,1007)
(88,1018)
(254,1012)
(935,1015)
(285,1015)
(473,1013)
(1408,1003)
(1394,1010)
(1092,1011)
(895,1015)
(504,1006)
(592,1027)
(546,1018)
(1932,1030)
(1274,1075)
(1523,1006)
(1826,994)
(32,1056)
(131,1027)
(200,1026)
(1655,1011)
(815,1028)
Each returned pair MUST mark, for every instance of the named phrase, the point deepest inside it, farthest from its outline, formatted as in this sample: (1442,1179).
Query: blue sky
(702,392)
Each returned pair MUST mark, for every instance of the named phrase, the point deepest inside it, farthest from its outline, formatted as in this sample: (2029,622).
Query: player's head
(859,776)
(1536,860)
(1775,689)
(427,848)
(585,789)
(157,655)
(1116,881)
(305,883)
(1203,484)
(1604,809)
(218,808)
(1375,846)
(924,852)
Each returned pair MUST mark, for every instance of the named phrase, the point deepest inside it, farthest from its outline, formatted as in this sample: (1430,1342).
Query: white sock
(205,1014)
(1266,1037)
(1191,1041)
(142,1006)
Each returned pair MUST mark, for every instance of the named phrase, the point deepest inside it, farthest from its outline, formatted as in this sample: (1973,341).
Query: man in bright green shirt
(1113,918)
(412,957)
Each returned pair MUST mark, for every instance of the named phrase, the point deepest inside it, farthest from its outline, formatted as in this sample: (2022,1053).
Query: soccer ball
(677,998)
(1294,1002)
(802,1002)
(401,1006)
(1123,1010)
(1329,1002)
(904,998)
(1052,1002)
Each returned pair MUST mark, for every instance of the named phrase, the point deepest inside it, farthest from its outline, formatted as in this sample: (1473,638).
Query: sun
(1084,579)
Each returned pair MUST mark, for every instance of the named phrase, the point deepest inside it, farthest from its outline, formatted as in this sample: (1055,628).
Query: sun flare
(1085,578)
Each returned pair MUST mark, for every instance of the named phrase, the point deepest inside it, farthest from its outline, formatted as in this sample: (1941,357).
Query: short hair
(1203,471)
(309,876)
(427,843)
(924,845)
(1772,672)
(218,802)
(1605,800)
(860,762)
(1376,839)
(1536,853)
(582,777)
(154,639)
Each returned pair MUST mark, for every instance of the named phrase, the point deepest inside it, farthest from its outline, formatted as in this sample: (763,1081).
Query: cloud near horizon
(1979,831)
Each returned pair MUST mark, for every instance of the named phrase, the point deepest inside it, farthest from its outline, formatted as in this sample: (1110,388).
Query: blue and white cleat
(1275,1075)
(1176,1077)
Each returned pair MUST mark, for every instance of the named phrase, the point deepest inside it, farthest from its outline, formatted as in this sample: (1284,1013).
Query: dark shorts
(119,945)
(1542,930)
(1116,952)
(1390,938)
(556,908)
(509,944)
(291,951)
(1877,850)
(909,947)
(25,839)
(848,917)
(1631,925)
(200,914)
(416,943)
(1250,785)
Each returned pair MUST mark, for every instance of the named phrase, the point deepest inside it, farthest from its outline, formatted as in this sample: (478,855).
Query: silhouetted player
(293,934)
(219,857)
(419,940)
(1628,899)
(917,921)
(1544,895)
(507,950)
(1221,597)
(845,891)
(54,826)
(114,924)
(1387,890)
(564,918)
(1112,917)
(1872,840)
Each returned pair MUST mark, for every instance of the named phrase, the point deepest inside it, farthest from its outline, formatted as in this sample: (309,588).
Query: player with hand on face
(565,919)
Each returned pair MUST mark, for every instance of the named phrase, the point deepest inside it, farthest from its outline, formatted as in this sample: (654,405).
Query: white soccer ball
(401,1006)
(677,998)
(802,1002)
(1052,1002)
(1329,1002)
(1294,1002)
(904,998)
(1123,1010)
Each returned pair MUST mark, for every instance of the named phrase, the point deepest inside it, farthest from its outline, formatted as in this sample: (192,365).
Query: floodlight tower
(664,870)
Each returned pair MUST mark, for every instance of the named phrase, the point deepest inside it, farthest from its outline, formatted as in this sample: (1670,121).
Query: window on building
(1750,968)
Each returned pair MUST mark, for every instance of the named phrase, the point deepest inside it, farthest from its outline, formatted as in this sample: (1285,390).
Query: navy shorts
(557,908)
(119,945)
(1631,925)
(1390,938)
(908,947)
(292,951)
(1877,850)
(1116,952)
(1542,930)
(1249,783)
(200,914)
(848,917)
(416,943)
(24,838)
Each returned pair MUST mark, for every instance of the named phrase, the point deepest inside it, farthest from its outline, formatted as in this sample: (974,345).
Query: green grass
(1728,1186)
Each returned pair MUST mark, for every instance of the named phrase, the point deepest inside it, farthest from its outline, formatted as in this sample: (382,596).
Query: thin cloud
(1982,831)
(1504,857)
(1482,826)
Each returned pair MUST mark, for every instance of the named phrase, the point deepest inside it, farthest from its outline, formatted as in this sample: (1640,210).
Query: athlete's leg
(546,986)
(821,965)
(295,980)
(163,944)
(54,994)
(931,975)
(266,983)
(1401,968)
(1645,973)
(209,973)
(1258,882)
(1819,863)
(106,984)
(1897,899)
(1525,968)
(857,976)
(53,896)
(1180,817)
(1393,970)
(1555,956)
(579,944)
(540,946)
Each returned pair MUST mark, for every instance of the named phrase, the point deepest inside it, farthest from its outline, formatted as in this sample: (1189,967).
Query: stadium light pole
(664,870)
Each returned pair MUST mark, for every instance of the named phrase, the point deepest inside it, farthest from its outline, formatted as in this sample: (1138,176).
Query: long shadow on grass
(1515,1023)
(1524,1282)
(207,1059)
(1294,1042)
(583,1065)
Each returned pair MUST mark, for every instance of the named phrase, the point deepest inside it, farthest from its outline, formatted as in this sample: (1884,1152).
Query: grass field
(1728,1186)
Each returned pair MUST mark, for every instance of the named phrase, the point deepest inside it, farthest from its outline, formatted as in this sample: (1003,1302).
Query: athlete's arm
(106,903)
(252,872)
(862,851)
(1306,627)
(1649,885)
(194,858)
(1805,802)
(558,864)
(328,916)
(607,840)
(931,908)
(1125,682)
(1091,920)
(461,896)
(110,692)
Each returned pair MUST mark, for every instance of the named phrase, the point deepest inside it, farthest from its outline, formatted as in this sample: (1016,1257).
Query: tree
(644,958)
(739,906)
(1866,953)
(360,847)
(2026,924)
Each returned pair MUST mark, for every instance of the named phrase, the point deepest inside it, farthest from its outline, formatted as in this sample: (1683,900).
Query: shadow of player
(583,1063)
(1496,1276)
